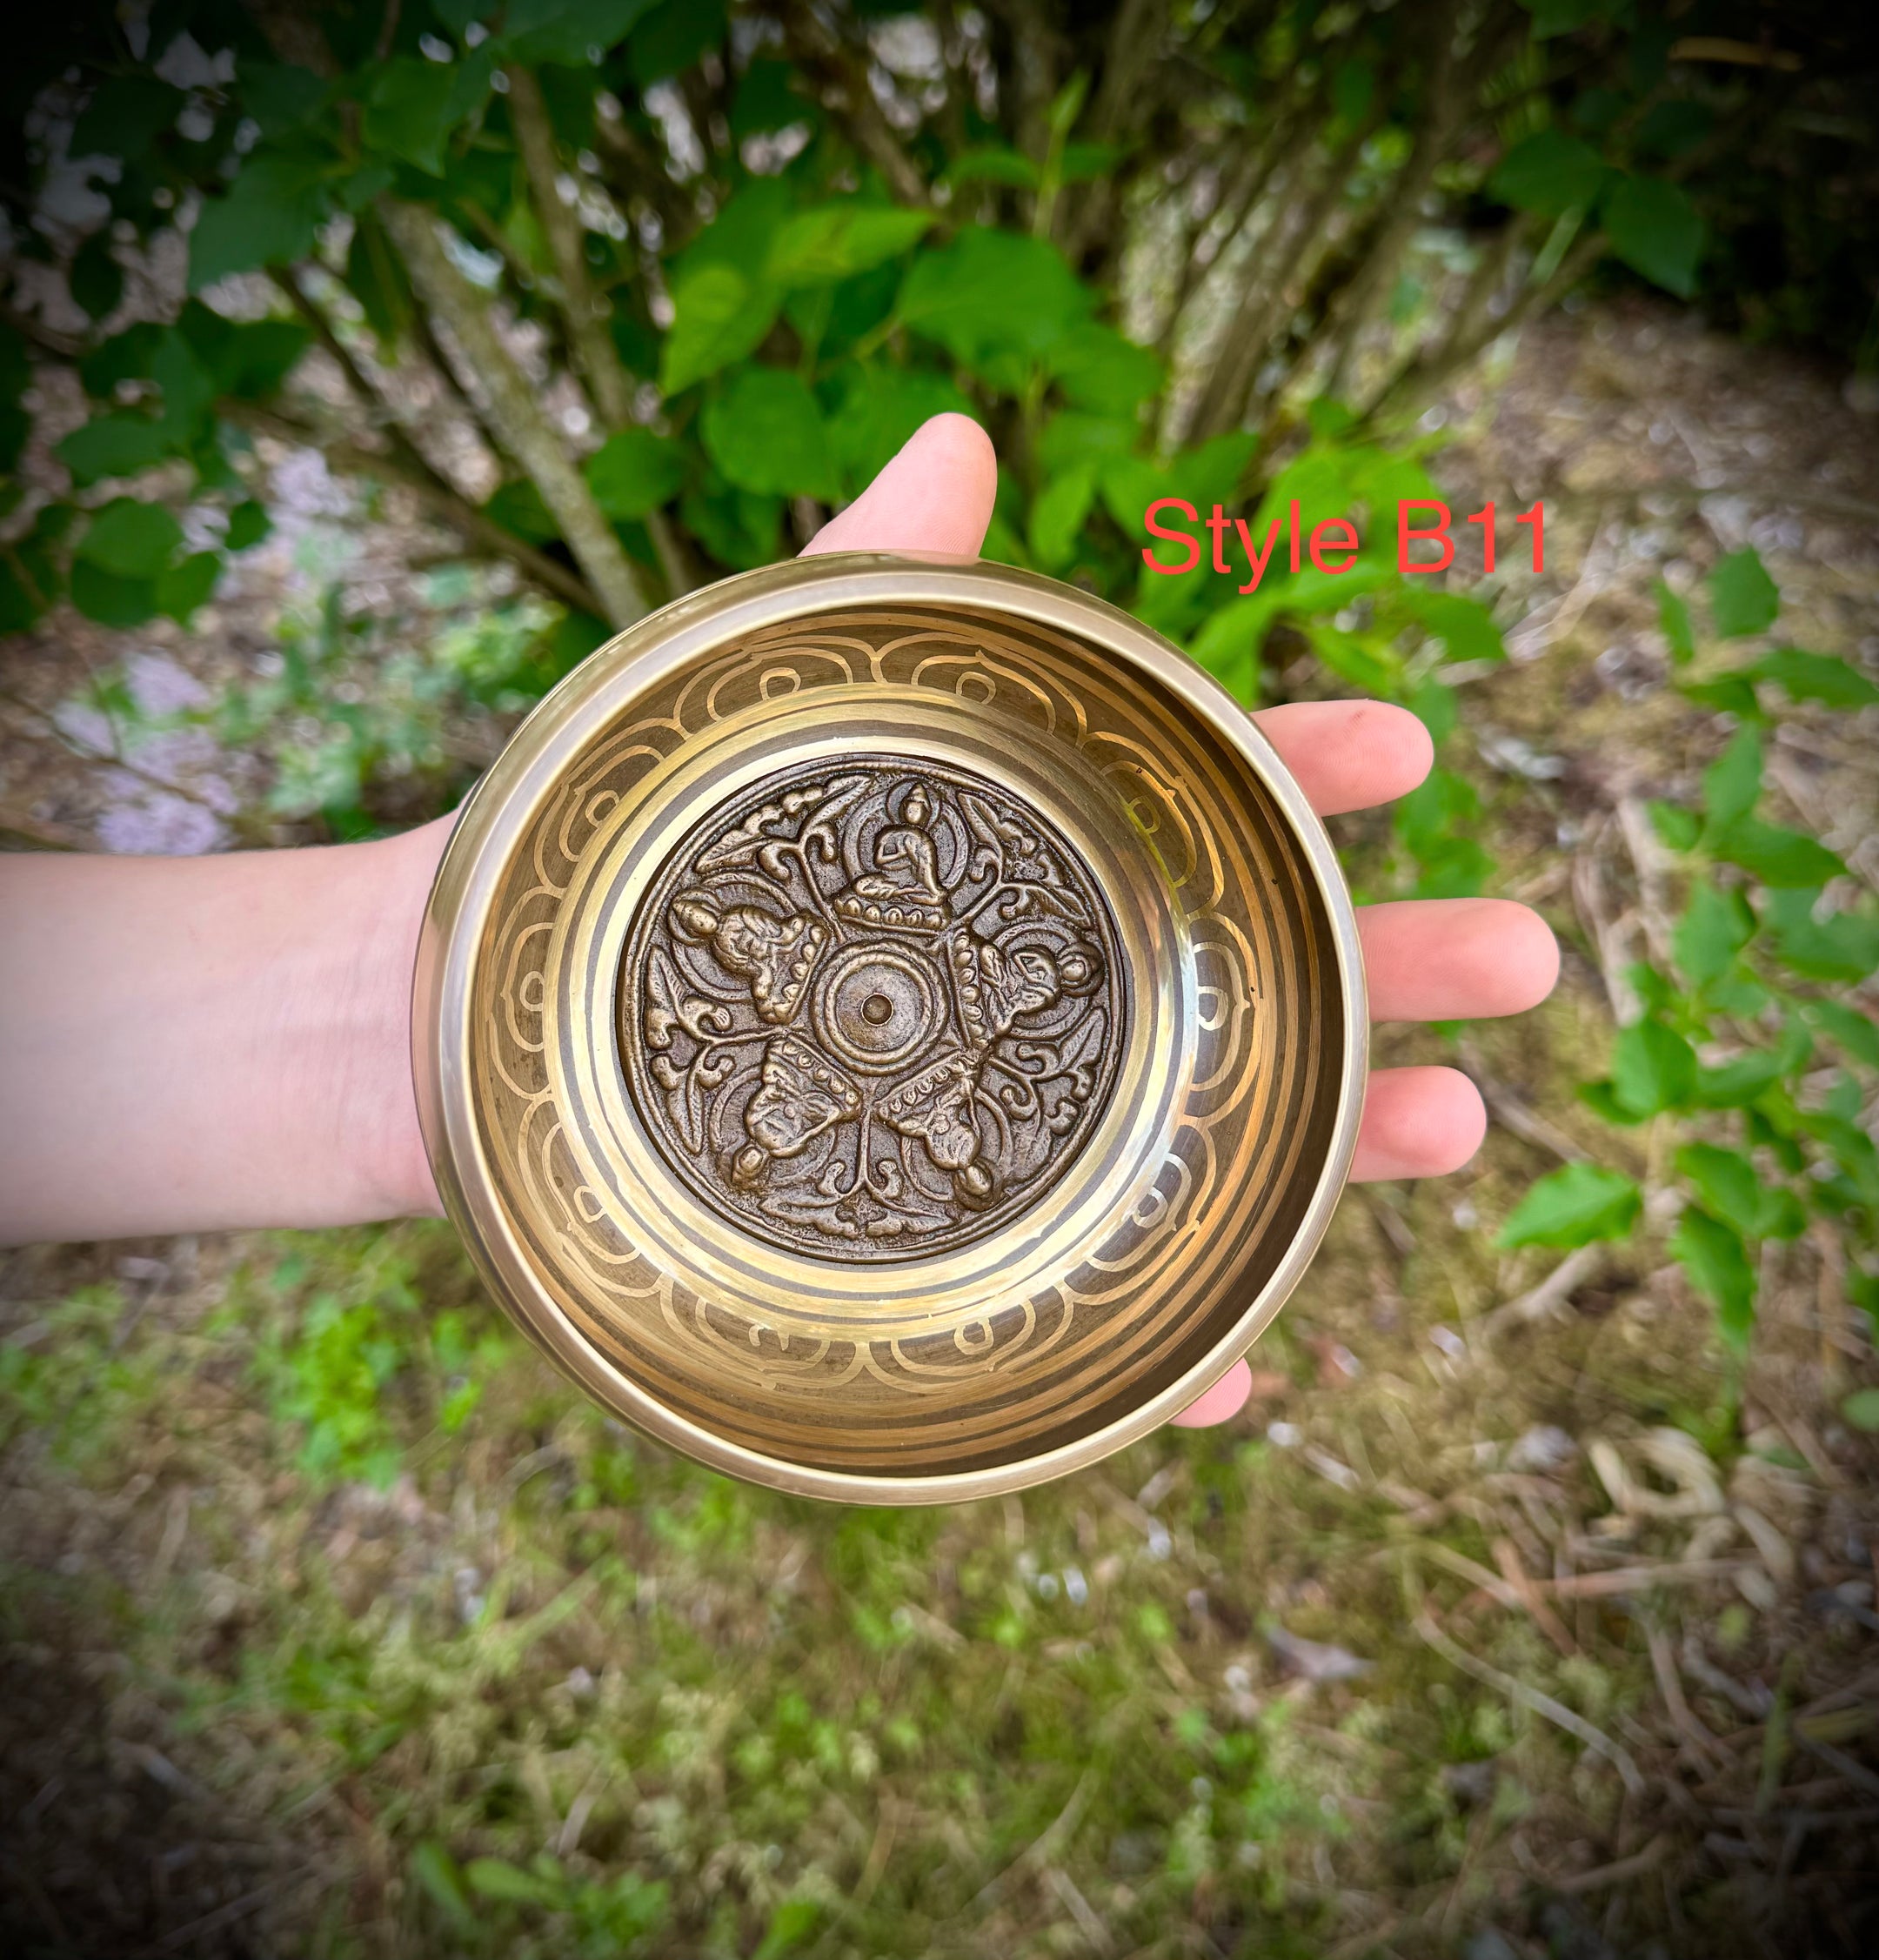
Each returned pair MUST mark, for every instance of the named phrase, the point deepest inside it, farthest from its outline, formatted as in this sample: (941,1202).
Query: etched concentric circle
(876,1008)
(872,1008)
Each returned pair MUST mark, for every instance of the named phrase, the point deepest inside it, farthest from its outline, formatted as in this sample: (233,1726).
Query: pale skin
(209,1044)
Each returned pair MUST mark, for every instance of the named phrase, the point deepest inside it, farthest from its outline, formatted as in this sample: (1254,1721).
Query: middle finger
(1455,958)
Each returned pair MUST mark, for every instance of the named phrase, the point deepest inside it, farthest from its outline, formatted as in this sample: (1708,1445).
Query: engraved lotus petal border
(533,803)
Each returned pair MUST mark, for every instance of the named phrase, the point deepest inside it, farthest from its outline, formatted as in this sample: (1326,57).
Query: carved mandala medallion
(872,1010)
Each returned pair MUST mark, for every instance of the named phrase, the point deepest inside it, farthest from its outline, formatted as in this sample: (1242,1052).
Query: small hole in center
(876,1009)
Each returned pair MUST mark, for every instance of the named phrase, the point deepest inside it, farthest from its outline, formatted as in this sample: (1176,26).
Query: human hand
(211,1043)
(1425,960)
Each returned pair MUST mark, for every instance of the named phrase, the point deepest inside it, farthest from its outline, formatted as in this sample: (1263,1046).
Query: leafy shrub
(1741,1065)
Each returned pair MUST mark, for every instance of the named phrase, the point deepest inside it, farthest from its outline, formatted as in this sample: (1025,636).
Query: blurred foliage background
(363,366)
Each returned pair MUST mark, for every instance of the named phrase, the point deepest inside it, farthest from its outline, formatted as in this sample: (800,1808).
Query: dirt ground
(1460,1640)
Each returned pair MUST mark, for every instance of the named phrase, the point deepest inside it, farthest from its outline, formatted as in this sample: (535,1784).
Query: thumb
(934,496)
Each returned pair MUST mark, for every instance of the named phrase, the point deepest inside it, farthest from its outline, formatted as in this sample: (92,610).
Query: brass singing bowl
(893,1030)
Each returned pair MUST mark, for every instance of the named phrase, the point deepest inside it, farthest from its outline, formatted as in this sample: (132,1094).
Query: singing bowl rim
(499,811)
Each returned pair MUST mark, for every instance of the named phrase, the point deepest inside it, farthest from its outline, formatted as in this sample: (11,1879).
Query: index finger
(1349,755)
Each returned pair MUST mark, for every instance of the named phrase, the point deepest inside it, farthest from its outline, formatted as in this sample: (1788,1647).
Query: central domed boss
(872,1011)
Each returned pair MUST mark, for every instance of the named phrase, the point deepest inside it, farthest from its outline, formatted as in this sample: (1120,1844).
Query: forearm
(207,1043)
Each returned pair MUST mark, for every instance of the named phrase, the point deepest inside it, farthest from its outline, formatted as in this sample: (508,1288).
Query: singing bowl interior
(891,1030)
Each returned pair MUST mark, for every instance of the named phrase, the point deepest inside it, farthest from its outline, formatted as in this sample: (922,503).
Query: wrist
(361,1064)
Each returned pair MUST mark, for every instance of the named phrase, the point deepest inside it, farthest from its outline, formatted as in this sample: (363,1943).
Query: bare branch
(476,526)
(584,310)
(841,81)
(1453,88)
(1268,298)
(514,414)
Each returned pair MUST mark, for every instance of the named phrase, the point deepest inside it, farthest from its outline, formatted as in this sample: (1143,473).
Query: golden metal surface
(893,1030)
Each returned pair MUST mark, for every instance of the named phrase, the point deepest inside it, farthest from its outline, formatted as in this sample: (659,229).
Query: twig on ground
(1648,861)
(1547,1297)
(1507,1557)
(1670,1685)
(1043,1848)
(1619,1873)
(1512,1114)
(1533,1701)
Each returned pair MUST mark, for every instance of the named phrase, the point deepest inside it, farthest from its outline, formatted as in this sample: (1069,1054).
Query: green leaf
(110,599)
(994,164)
(253,361)
(1743,599)
(495,1879)
(1738,995)
(672,37)
(1374,669)
(1674,616)
(563,31)
(268,216)
(438,1872)
(880,408)
(719,315)
(182,588)
(1058,515)
(1444,801)
(1715,927)
(1729,693)
(1097,368)
(789,1925)
(247,523)
(1083,163)
(1779,1216)
(406,112)
(1436,707)
(1576,1206)
(1453,868)
(279,96)
(738,527)
(1815,677)
(18,607)
(1733,782)
(1598,1098)
(1850,1031)
(1677,826)
(1551,172)
(131,538)
(767,99)
(1843,946)
(123,356)
(189,387)
(1861,1410)
(125,115)
(1655,229)
(375,277)
(114,446)
(1713,1255)
(991,292)
(1653,1068)
(1562,17)
(765,431)
(1464,626)
(1725,1179)
(1788,860)
(517,505)
(833,241)
(634,471)
(97,277)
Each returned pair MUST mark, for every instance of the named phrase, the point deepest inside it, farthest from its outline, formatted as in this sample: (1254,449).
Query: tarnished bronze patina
(873,1011)
(891,1029)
